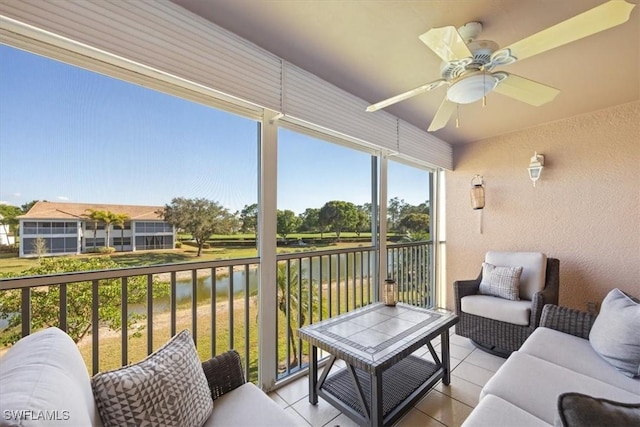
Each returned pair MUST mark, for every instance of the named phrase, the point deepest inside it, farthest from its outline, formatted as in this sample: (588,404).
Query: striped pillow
(502,282)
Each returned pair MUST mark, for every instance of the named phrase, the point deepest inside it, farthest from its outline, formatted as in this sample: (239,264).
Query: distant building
(5,237)
(66,229)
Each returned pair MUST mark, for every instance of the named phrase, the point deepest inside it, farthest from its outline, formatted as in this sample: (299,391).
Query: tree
(309,220)
(27,206)
(8,220)
(363,219)
(108,218)
(249,219)
(119,220)
(95,216)
(199,217)
(338,216)
(296,292)
(40,247)
(415,223)
(393,212)
(45,300)
(287,223)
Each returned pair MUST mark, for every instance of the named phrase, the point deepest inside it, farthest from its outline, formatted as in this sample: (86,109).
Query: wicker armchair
(224,373)
(499,337)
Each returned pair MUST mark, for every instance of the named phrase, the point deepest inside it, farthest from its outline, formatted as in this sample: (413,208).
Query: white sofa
(557,358)
(44,382)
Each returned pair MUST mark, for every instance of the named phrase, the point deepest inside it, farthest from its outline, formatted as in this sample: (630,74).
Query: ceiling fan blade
(446,42)
(600,18)
(526,90)
(444,113)
(413,92)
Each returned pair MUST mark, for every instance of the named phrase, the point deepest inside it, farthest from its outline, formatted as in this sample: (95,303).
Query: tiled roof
(75,211)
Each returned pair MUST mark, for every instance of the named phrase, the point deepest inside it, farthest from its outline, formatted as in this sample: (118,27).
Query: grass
(11,263)
(110,344)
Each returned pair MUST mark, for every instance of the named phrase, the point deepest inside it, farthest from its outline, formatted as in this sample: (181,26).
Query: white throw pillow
(615,335)
(503,282)
(168,388)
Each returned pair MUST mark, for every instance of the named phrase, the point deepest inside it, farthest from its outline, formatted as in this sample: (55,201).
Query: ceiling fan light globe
(472,88)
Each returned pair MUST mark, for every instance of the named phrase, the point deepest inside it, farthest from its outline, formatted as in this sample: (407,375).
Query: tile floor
(442,406)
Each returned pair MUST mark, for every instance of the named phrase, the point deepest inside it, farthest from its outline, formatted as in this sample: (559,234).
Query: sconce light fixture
(477,192)
(535,167)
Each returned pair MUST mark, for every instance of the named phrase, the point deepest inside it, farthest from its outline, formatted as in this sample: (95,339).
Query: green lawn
(11,263)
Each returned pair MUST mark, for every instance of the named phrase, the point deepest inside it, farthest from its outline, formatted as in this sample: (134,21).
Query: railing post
(25,308)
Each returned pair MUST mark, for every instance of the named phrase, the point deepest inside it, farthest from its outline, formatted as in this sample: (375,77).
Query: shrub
(206,246)
(106,250)
(178,245)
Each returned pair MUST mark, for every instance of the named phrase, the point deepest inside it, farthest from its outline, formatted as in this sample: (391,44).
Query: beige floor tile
(485,360)
(415,418)
(297,418)
(459,352)
(461,341)
(280,401)
(472,373)
(443,408)
(294,391)
(462,390)
(316,415)
(341,421)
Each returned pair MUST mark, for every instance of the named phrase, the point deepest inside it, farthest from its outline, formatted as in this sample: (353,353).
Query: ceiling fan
(468,64)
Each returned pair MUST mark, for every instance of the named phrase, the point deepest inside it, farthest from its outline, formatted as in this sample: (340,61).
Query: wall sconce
(477,192)
(535,167)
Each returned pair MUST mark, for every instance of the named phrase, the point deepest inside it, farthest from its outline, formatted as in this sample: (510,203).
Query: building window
(154,242)
(121,241)
(97,242)
(53,245)
(153,227)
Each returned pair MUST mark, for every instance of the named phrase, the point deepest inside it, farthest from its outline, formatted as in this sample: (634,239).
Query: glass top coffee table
(382,379)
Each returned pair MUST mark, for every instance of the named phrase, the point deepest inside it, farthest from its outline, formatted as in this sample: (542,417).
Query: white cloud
(4,202)
(62,198)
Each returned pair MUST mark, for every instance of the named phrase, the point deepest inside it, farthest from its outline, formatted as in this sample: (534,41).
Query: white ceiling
(371,49)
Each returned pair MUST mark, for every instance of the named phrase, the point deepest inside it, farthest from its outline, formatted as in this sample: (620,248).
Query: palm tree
(108,218)
(297,297)
(95,216)
(119,220)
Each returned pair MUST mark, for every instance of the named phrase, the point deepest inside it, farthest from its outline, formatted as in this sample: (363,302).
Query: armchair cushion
(502,282)
(615,334)
(169,387)
(503,310)
(534,268)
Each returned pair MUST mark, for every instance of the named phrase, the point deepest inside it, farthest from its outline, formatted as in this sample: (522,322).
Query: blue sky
(67,134)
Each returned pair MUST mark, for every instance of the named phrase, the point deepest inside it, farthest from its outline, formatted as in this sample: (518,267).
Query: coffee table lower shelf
(402,385)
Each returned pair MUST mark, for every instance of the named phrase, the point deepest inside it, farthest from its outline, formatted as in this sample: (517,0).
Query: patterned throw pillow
(503,282)
(168,388)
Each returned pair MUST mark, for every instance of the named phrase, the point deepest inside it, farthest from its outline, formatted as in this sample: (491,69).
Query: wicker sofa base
(493,336)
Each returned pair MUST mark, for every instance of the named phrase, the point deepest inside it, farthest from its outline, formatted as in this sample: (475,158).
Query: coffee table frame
(380,383)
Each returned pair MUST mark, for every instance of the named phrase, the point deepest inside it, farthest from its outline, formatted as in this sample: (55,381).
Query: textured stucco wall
(584,210)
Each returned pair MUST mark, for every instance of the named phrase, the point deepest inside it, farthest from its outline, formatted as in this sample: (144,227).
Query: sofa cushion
(168,388)
(516,312)
(533,385)
(561,349)
(247,405)
(44,373)
(493,411)
(615,334)
(502,282)
(577,410)
(534,269)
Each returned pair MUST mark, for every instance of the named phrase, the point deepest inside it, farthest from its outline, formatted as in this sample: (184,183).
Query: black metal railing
(130,312)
